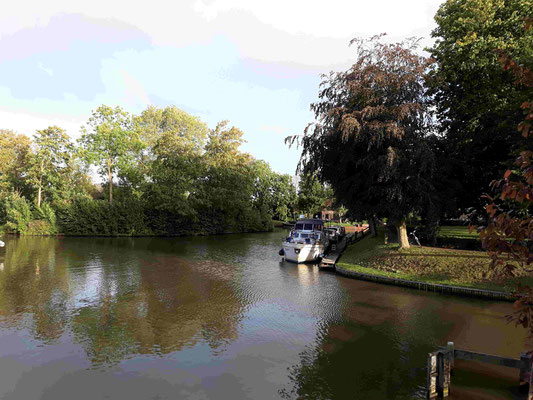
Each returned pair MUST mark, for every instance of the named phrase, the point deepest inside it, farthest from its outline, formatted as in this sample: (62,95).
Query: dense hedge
(85,216)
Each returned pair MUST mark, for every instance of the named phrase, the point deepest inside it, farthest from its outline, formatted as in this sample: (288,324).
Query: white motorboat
(306,242)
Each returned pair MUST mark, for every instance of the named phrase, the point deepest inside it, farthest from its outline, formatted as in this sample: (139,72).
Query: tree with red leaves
(509,234)
(369,140)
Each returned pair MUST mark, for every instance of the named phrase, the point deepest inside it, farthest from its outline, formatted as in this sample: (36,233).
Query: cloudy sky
(255,63)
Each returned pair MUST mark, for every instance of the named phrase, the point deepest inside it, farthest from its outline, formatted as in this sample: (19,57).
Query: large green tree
(171,162)
(274,194)
(369,139)
(53,151)
(15,161)
(228,183)
(109,142)
(284,197)
(478,107)
(312,194)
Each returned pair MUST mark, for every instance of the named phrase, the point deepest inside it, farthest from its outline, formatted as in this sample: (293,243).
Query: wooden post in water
(530,393)
(450,347)
(432,375)
(525,368)
(443,373)
(439,367)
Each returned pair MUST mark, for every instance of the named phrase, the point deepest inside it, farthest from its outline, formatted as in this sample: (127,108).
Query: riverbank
(428,265)
(133,235)
(182,229)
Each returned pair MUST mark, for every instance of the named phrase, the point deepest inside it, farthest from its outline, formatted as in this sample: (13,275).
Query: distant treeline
(164,172)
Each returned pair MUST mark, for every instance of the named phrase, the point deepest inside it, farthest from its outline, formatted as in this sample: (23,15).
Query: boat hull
(301,253)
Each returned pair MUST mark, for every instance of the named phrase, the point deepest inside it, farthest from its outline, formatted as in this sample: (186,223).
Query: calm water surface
(222,318)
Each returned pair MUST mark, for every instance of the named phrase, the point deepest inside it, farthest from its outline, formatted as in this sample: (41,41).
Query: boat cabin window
(304,235)
(298,227)
(308,227)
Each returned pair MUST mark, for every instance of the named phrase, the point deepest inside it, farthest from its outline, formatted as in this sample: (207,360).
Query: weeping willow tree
(368,141)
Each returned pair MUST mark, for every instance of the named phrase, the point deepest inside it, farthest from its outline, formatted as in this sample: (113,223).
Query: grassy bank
(427,264)
(457,232)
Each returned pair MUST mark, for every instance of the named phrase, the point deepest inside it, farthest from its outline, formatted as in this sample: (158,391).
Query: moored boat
(306,242)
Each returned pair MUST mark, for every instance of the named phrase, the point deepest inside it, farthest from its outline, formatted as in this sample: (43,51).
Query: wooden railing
(440,364)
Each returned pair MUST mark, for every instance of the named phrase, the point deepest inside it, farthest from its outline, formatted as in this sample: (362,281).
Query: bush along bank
(88,217)
(439,268)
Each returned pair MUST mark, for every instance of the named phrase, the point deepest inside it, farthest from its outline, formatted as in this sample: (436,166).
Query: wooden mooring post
(441,362)
(438,373)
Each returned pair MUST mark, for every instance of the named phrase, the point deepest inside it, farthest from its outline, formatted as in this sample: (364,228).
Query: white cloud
(335,19)
(27,123)
(254,62)
(299,31)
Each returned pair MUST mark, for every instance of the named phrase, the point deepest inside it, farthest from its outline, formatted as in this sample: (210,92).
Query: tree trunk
(39,195)
(110,180)
(401,228)
(40,191)
(431,223)
(373,226)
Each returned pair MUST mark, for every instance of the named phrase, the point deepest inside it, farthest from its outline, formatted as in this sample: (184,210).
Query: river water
(224,318)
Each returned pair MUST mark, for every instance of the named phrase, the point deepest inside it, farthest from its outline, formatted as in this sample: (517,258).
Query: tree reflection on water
(222,317)
(117,304)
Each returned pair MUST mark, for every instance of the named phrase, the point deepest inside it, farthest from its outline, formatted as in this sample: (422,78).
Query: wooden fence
(440,364)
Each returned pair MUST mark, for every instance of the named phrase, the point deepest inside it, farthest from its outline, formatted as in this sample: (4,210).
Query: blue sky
(255,63)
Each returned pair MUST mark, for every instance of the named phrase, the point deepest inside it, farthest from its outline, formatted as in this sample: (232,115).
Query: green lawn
(427,264)
(339,224)
(458,232)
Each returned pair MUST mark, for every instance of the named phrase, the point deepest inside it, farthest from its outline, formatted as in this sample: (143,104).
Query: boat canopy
(309,224)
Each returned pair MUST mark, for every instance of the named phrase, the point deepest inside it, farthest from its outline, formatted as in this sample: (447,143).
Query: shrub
(45,214)
(39,227)
(17,213)
(85,216)
(3,211)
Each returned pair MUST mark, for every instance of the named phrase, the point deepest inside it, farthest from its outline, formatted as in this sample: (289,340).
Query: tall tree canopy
(312,195)
(110,142)
(369,139)
(172,159)
(274,194)
(15,156)
(166,171)
(478,107)
(228,184)
(53,150)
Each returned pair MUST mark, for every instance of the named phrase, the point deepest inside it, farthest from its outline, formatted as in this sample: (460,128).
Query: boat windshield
(298,227)
(308,227)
